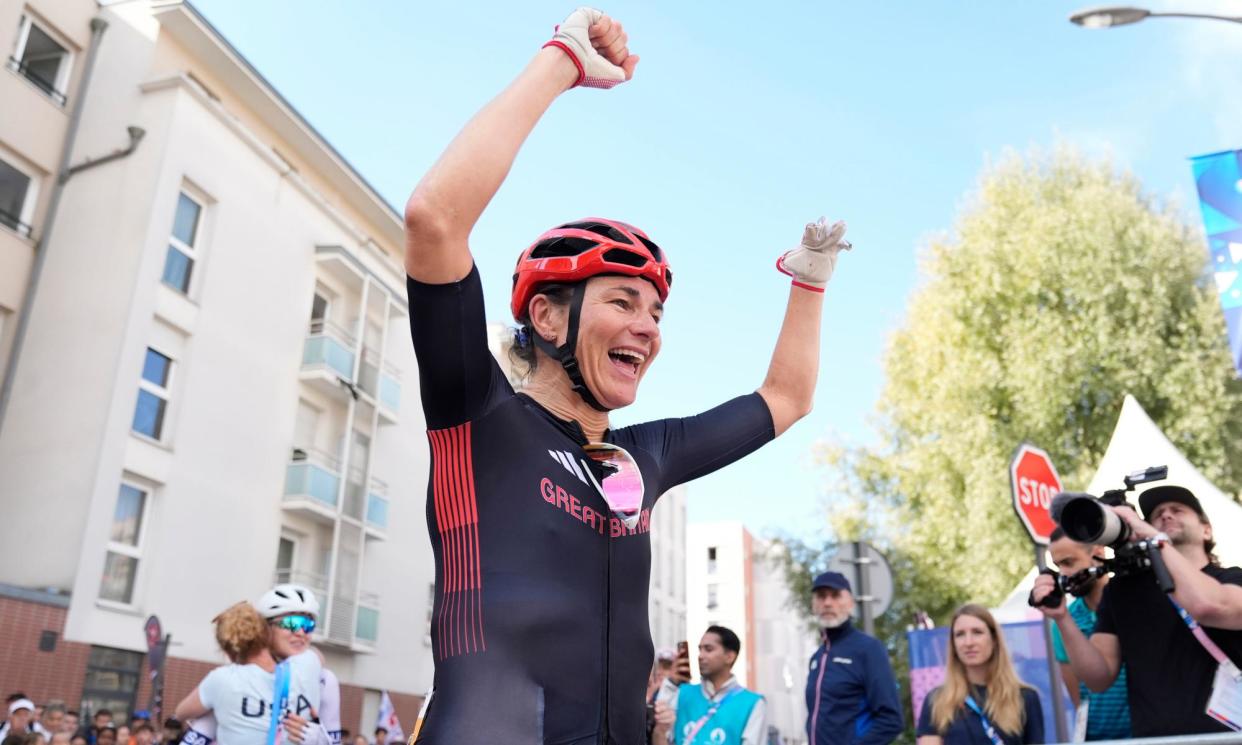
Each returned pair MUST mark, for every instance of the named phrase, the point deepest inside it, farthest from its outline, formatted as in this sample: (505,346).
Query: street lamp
(1121,16)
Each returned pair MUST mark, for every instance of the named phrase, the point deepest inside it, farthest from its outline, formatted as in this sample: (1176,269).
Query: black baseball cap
(832,580)
(1158,495)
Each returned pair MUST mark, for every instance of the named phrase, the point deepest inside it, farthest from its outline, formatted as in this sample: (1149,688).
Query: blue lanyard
(988,729)
(693,730)
(280,701)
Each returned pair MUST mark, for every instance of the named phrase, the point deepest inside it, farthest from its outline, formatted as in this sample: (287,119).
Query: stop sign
(1035,482)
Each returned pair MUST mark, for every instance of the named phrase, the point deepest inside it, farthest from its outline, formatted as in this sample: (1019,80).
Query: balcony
(366,627)
(328,357)
(376,518)
(383,385)
(312,482)
(354,625)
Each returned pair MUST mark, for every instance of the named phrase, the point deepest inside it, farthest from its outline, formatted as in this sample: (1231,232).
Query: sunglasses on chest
(621,484)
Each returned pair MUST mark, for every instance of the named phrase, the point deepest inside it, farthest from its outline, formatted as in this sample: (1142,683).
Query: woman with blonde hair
(240,693)
(982,701)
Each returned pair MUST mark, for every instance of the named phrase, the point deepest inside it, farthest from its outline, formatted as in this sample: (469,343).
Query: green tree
(1064,287)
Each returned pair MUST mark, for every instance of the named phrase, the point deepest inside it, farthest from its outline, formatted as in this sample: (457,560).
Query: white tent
(1136,444)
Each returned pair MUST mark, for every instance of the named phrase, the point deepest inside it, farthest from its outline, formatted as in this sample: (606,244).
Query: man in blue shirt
(1107,713)
(851,694)
(716,711)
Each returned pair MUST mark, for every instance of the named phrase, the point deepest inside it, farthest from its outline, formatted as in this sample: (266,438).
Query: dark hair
(108,712)
(727,638)
(522,352)
(144,726)
(1057,534)
(18,696)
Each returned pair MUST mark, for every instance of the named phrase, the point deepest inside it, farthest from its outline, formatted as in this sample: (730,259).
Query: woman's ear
(546,318)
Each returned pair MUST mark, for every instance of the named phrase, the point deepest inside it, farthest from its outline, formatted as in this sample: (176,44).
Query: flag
(1218,179)
(387,718)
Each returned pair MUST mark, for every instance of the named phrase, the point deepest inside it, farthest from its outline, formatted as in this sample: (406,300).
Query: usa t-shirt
(240,697)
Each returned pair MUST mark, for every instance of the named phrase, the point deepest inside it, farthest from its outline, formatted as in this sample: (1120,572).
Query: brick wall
(40,675)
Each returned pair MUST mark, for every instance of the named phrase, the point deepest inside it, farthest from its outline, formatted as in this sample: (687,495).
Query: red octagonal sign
(1035,482)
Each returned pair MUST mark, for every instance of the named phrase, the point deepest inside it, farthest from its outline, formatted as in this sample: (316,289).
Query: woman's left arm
(789,387)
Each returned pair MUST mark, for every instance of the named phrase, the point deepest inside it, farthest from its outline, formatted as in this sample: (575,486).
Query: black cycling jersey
(539,629)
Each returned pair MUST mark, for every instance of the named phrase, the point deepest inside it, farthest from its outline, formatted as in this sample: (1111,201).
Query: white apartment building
(217,389)
(667,593)
(735,580)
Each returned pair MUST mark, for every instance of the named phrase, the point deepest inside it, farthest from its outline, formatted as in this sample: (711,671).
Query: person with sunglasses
(232,704)
(292,612)
(538,510)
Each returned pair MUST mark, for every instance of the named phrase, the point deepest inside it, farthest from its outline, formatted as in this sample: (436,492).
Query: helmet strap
(565,352)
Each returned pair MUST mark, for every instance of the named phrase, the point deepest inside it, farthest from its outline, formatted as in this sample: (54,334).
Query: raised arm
(789,387)
(589,49)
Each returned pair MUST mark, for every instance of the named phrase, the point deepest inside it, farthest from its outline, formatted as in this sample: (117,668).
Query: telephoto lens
(1088,520)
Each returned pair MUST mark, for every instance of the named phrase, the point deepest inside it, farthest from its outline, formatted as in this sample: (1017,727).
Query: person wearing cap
(1170,671)
(21,717)
(851,694)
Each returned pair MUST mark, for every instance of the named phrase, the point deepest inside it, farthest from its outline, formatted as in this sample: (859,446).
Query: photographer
(1107,714)
(1171,670)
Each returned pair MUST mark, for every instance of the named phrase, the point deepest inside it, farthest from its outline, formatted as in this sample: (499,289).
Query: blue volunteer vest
(726,725)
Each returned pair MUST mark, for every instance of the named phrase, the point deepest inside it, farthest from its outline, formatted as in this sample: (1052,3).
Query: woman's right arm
(449,199)
(191,707)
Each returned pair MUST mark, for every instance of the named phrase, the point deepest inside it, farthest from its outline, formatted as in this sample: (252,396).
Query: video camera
(1089,519)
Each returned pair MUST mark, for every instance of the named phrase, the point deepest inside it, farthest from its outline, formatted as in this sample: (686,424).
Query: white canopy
(1136,444)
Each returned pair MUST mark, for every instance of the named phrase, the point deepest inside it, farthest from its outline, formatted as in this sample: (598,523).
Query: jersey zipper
(819,686)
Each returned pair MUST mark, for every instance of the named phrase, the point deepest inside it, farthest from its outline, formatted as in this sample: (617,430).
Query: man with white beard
(851,695)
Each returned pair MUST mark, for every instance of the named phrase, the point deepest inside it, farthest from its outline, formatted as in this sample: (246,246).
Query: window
(711,559)
(42,60)
(111,682)
(124,545)
(179,261)
(319,310)
(712,602)
(16,199)
(284,559)
(152,395)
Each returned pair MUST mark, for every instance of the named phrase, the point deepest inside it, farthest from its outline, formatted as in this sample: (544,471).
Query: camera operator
(1107,714)
(1171,670)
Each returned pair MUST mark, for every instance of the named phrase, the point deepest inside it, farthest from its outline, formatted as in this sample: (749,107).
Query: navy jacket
(851,695)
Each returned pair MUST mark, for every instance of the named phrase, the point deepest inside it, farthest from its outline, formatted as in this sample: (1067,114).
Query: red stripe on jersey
(459,623)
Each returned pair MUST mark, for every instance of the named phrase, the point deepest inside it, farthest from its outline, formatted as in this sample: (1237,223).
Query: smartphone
(681,666)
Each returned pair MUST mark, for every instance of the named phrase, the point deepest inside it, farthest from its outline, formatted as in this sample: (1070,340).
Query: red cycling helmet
(579,250)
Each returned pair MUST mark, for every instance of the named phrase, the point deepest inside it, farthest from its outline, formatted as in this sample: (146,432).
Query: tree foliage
(1063,288)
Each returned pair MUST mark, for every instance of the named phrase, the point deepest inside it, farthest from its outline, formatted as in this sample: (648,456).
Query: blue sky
(739,126)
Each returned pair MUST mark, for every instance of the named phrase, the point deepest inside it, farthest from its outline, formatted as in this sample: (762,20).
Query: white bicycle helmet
(286,598)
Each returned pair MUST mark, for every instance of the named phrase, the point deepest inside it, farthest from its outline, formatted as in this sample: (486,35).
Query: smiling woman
(540,630)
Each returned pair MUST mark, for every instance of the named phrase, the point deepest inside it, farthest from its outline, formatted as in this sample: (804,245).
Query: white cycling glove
(811,264)
(573,37)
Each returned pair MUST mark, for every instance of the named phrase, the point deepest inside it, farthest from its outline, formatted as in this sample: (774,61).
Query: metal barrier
(1223,738)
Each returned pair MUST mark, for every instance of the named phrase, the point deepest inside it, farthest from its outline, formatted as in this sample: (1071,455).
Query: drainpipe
(63,174)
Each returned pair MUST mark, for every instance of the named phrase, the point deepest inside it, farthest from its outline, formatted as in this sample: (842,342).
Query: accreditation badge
(1225,705)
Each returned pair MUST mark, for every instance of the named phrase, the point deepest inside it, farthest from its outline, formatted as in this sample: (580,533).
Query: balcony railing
(377,505)
(26,71)
(329,346)
(382,385)
(366,627)
(15,223)
(317,583)
(312,475)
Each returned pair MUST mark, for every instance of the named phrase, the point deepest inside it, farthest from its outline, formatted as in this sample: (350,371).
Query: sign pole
(862,572)
(1034,481)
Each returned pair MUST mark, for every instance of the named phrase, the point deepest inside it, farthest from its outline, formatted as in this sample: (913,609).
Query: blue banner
(1025,640)
(1218,178)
